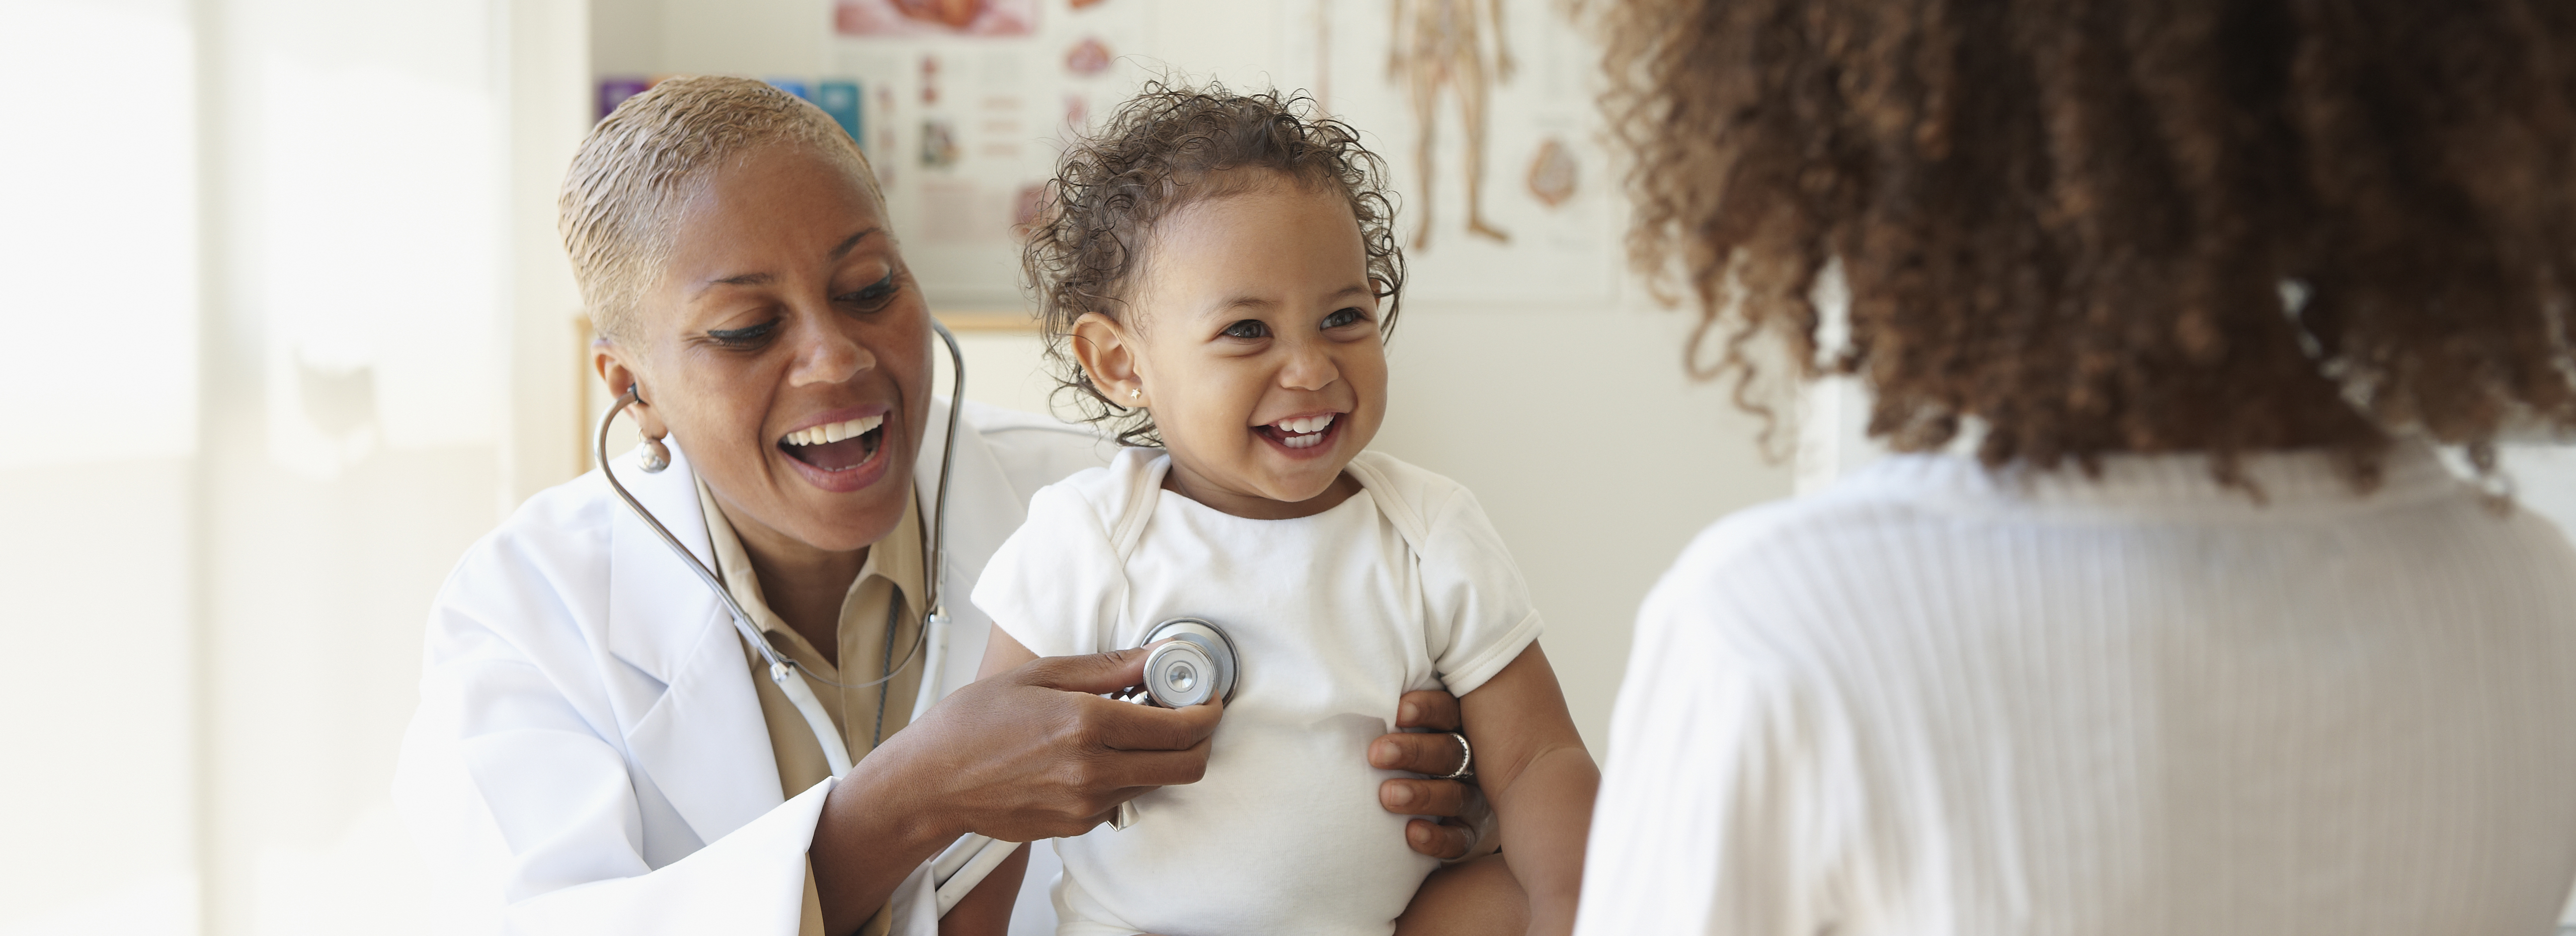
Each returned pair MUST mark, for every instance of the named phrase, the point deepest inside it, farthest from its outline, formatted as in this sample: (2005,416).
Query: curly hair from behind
(2098,226)
(1168,147)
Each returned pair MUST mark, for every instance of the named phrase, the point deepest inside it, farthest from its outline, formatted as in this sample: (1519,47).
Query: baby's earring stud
(1135,393)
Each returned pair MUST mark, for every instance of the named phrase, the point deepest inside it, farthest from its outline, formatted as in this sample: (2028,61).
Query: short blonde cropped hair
(638,166)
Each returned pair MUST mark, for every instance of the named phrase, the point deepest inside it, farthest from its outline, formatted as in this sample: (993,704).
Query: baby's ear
(1108,355)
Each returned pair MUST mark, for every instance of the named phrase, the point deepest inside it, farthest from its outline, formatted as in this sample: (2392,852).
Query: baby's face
(1257,345)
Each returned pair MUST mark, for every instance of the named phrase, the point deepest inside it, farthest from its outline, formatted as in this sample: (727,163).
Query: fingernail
(1416,832)
(1410,712)
(1401,796)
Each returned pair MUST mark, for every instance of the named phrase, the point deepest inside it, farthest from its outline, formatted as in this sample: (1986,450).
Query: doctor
(593,752)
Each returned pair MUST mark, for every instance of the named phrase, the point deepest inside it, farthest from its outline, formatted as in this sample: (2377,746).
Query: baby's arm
(986,910)
(1531,764)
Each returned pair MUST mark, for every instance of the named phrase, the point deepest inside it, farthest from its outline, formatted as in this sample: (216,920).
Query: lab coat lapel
(701,741)
(981,513)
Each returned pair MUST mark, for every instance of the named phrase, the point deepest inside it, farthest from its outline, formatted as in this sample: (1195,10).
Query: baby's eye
(1248,330)
(1344,317)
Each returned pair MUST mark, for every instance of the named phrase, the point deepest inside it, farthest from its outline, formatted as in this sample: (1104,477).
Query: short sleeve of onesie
(1052,586)
(1477,615)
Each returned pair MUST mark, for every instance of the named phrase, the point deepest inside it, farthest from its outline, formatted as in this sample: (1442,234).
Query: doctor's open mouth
(838,446)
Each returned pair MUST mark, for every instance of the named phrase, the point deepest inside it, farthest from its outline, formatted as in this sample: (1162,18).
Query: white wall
(1597,459)
(96,691)
(267,339)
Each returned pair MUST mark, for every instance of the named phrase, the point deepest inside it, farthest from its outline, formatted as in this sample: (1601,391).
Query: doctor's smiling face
(785,347)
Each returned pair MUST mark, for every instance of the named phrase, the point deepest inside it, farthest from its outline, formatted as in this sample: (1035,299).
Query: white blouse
(1938,700)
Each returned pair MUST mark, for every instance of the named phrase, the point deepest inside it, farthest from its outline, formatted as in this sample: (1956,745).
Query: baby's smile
(1298,434)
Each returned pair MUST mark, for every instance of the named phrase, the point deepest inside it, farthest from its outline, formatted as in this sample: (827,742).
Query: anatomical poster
(965,123)
(1484,111)
(934,17)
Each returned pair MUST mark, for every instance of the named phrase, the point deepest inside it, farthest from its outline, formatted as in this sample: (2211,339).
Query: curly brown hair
(2098,226)
(1167,147)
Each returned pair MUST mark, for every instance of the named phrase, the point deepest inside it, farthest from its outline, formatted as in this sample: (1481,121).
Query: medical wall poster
(615,91)
(1442,52)
(964,126)
(935,17)
(1486,113)
(1482,109)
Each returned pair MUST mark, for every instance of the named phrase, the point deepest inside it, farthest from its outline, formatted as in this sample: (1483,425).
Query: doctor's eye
(745,337)
(876,294)
(1344,317)
(1248,330)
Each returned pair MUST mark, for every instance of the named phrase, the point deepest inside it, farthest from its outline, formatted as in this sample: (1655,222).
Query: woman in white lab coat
(592,752)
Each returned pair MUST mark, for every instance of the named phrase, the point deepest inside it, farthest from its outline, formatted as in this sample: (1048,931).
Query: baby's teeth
(1306,424)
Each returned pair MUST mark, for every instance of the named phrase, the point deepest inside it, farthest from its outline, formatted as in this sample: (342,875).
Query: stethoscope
(1198,663)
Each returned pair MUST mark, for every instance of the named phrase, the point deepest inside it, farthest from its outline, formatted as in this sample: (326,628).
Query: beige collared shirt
(888,590)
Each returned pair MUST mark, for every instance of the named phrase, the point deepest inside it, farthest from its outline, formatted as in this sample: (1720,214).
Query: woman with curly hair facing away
(2201,638)
(1216,278)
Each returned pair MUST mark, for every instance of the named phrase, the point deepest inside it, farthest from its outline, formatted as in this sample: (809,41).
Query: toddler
(1217,276)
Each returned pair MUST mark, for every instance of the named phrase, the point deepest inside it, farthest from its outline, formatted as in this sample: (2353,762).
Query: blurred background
(314,243)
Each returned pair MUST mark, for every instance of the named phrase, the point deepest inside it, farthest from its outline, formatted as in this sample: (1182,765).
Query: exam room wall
(264,317)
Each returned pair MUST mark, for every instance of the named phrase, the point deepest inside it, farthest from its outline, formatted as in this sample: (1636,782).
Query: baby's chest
(1321,625)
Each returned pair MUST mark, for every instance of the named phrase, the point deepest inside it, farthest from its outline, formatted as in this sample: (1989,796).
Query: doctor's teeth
(835,432)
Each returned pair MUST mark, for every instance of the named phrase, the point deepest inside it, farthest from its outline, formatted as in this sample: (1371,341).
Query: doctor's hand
(1034,752)
(1030,752)
(1460,806)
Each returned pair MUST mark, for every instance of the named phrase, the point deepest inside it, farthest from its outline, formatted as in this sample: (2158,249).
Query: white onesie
(1404,586)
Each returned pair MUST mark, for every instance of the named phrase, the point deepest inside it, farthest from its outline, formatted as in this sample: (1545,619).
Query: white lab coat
(589,756)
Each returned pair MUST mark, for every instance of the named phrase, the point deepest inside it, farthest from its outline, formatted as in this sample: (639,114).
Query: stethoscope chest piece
(1195,663)
(1198,663)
